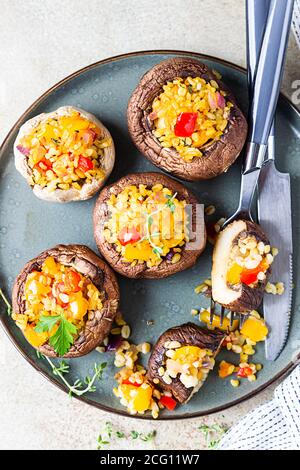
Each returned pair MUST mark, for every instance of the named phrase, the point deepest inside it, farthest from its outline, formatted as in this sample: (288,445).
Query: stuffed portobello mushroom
(185,120)
(241,266)
(182,358)
(65,301)
(148,225)
(65,155)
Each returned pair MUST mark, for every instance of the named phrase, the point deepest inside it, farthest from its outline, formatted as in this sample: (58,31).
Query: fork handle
(257,15)
(267,81)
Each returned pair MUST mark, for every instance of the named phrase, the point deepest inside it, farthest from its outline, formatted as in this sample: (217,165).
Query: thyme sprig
(77,388)
(157,250)
(7,303)
(212,434)
(109,433)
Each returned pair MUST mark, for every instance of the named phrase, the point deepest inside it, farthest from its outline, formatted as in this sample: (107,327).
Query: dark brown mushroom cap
(187,334)
(217,157)
(86,262)
(250,298)
(165,268)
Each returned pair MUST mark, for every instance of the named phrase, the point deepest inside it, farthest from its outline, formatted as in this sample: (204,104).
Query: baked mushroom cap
(187,334)
(217,157)
(87,190)
(165,268)
(86,262)
(240,297)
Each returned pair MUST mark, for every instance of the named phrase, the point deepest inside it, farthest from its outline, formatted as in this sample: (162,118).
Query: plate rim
(290,366)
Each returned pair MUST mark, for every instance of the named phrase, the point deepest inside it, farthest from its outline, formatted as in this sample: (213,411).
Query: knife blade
(274,202)
(275,218)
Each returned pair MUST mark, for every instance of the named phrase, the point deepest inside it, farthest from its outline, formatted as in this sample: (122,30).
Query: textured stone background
(42,42)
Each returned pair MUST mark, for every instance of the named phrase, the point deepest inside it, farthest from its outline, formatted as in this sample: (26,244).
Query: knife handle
(267,81)
(257,15)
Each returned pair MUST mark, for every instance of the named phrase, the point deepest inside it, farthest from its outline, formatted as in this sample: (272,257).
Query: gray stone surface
(42,42)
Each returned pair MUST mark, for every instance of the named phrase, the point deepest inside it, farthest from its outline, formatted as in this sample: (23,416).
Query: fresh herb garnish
(148,437)
(63,338)
(170,204)
(109,433)
(101,442)
(190,88)
(8,306)
(212,434)
(77,388)
(149,221)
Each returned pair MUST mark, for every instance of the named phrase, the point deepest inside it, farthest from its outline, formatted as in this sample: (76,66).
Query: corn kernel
(235,383)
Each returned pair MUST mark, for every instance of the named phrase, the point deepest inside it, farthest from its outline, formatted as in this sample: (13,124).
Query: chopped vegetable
(255,329)
(168,402)
(85,164)
(185,124)
(129,235)
(225,369)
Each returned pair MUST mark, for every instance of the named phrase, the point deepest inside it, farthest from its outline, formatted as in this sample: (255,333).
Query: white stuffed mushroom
(65,155)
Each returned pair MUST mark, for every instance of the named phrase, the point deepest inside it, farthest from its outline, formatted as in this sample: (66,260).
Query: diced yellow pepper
(187,354)
(73,123)
(234,274)
(49,266)
(36,288)
(34,338)
(141,251)
(225,369)
(255,329)
(205,317)
(78,305)
(141,397)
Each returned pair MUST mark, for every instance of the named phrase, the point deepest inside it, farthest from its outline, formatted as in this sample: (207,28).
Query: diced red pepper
(249,276)
(85,164)
(168,402)
(127,382)
(129,235)
(72,279)
(43,165)
(185,124)
(244,372)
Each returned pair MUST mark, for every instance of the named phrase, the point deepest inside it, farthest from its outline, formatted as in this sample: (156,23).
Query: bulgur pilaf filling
(147,224)
(190,364)
(64,152)
(55,291)
(249,261)
(189,115)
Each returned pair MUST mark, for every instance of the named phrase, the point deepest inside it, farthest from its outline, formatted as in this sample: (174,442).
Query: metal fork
(263,101)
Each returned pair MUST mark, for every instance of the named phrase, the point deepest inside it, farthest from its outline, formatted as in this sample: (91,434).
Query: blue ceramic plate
(29,225)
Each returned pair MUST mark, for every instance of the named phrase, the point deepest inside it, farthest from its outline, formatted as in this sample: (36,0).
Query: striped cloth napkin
(296,21)
(274,425)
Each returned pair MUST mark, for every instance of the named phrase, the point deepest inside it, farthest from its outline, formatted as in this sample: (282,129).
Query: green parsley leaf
(63,338)
(46,323)
(134,434)
(120,434)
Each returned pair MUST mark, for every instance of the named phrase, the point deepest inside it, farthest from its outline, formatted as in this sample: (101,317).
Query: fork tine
(231,318)
(212,310)
(242,319)
(222,315)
